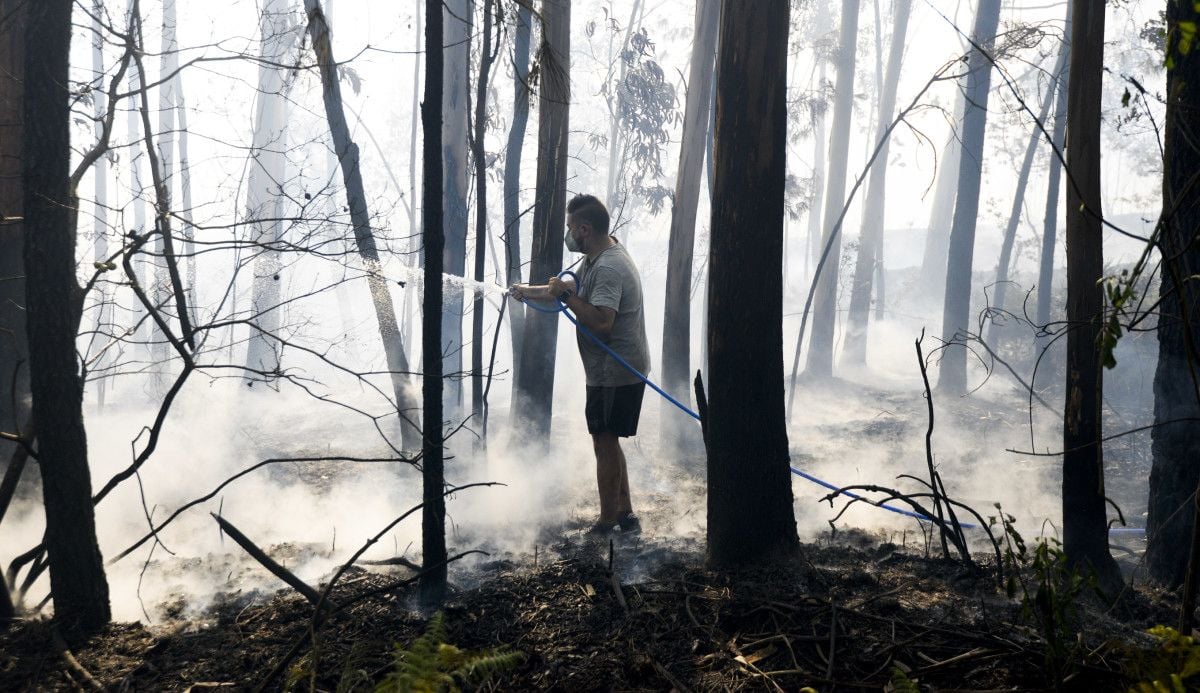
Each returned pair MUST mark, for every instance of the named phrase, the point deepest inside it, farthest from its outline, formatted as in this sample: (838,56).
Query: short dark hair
(589,209)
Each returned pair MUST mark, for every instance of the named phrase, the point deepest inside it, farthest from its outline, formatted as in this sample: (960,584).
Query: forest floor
(851,610)
(845,614)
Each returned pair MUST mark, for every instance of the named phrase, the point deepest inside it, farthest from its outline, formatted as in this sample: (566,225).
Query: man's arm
(541,292)
(597,319)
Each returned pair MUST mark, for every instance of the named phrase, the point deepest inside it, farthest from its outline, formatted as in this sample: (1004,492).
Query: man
(608,302)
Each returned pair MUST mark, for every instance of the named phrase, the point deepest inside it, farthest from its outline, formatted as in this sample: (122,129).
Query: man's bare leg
(624,506)
(611,480)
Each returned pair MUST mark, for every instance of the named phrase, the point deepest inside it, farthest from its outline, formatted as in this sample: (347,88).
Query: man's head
(587,224)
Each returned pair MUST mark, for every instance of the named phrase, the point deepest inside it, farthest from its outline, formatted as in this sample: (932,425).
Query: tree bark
(820,350)
(381,297)
(1174,475)
(871,238)
(941,214)
(1014,217)
(1053,183)
(749,484)
(14,350)
(512,180)
(77,579)
(264,190)
(535,389)
(956,307)
(104,315)
(677,335)
(455,108)
(1085,526)
(433,511)
(486,58)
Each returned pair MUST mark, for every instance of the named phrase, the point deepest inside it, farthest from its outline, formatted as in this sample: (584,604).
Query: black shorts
(614,409)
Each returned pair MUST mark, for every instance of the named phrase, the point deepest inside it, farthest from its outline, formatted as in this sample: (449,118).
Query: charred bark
(455,135)
(749,483)
(14,350)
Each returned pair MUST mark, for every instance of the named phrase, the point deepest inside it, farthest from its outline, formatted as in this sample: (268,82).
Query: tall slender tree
(535,389)
(1085,525)
(14,350)
(870,242)
(455,136)
(1053,183)
(941,212)
(956,308)
(364,237)
(433,512)
(479,154)
(264,190)
(1014,215)
(820,349)
(677,333)
(77,581)
(512,177)
(104,316)
(749,484)
(1174,475)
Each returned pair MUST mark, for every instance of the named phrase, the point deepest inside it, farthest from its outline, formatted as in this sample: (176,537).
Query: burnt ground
(840,615)
(844,613)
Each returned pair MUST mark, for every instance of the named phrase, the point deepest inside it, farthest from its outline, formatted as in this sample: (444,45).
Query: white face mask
(572,243)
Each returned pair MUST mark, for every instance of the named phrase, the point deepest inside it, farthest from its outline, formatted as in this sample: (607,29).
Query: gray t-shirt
(612,281)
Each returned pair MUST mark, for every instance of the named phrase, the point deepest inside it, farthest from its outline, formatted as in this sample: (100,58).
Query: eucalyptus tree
(1058,138)
(820,350)
(14,350)
(1174,475)
(535,387)
(1014,215)
(455,108)
(522,94)
(77,580)
(1084,506)
(750,512)
(957,302)
(677,335)
(871,237)
(932,280)
(264,190)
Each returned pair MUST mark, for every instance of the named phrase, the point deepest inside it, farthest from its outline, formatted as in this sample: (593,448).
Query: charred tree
(433,510)
(749,484)
(1085,525)
(870,242)
(677,333)
(77,580)
(455,135)
(14,350)
(364,237)
(1175,475)
(535,389)
(486,58)
(820,350)
(956,307)
(512,179)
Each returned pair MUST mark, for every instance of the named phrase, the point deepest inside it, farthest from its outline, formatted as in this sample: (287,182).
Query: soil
(844,614)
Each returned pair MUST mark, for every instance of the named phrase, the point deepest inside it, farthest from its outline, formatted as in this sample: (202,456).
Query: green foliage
(900,683)
(430,664)
(1181,35)
(1121,292)
(1048,588)
(1172,666)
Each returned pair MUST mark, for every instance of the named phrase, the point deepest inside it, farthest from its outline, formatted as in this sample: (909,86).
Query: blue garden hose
(562,308)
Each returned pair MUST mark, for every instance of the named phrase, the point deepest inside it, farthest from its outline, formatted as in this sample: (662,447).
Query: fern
(1172,666)
(900,683)
(430,664)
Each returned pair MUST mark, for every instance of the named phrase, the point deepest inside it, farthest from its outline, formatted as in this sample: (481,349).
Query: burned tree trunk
(1085,526)
(455,135)
(956,307)
(749,483)
(486,58)
(77,580)
(14,350)
(381,297)
(433,511)
(1175,475)
(677,334)
(535,389)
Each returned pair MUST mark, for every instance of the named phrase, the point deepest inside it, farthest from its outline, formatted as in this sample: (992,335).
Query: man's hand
(556,286)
